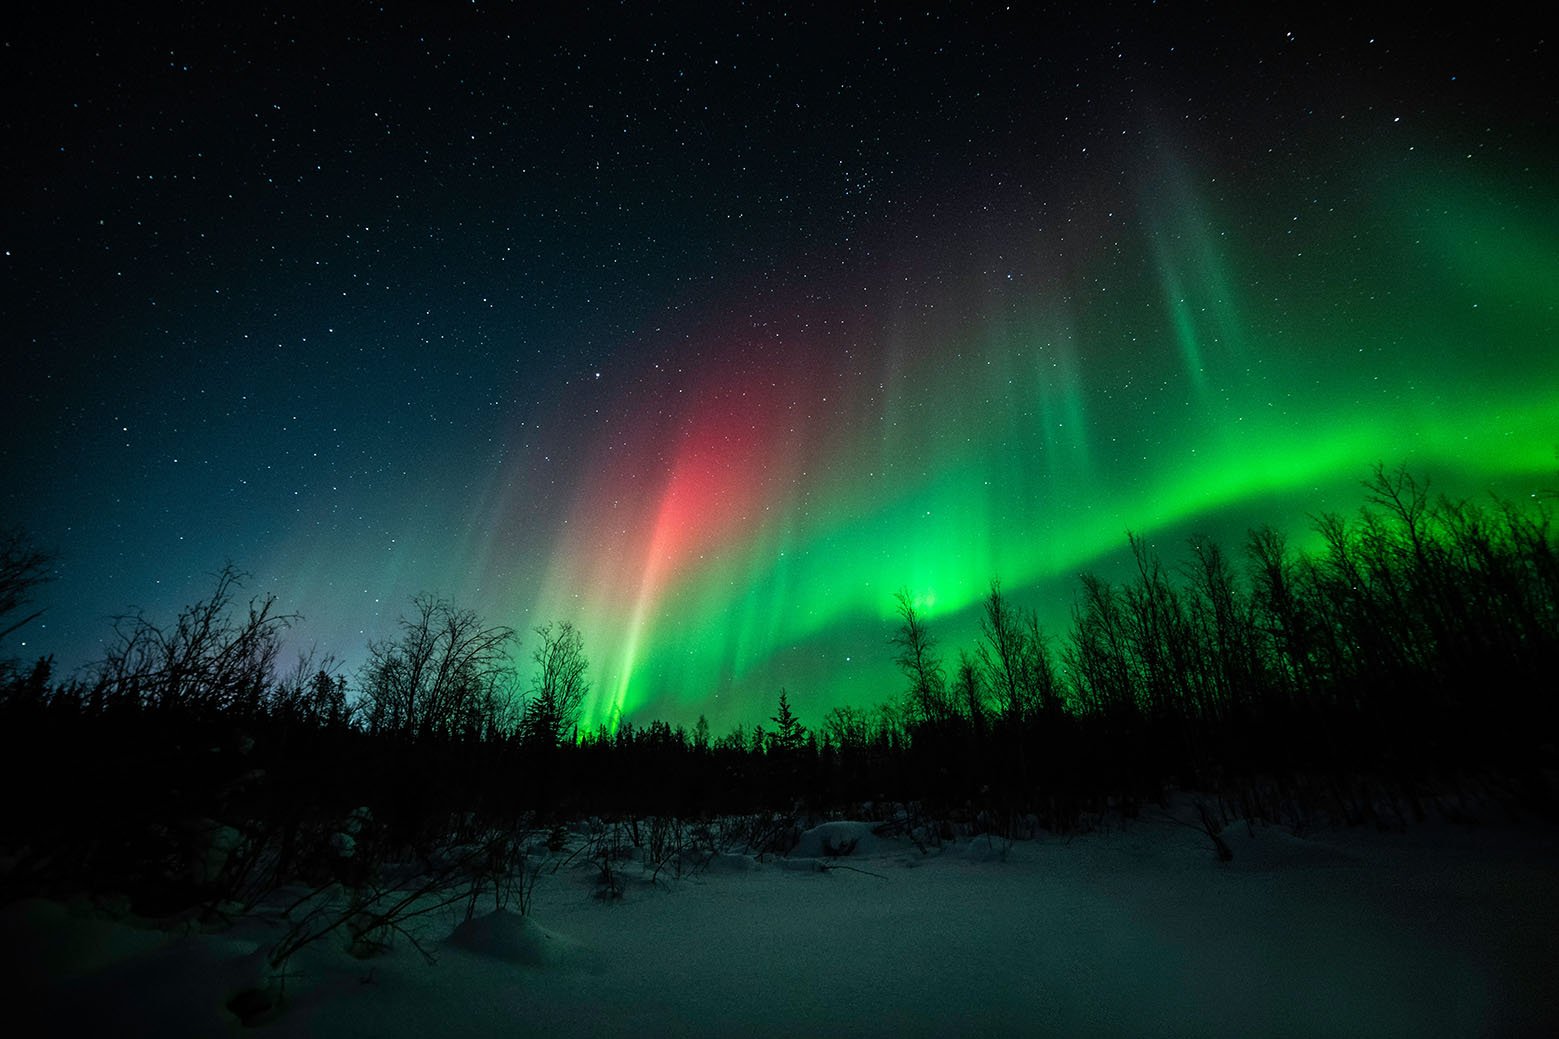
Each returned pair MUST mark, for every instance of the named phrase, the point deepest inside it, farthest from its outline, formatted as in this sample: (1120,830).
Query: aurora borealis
(708,334)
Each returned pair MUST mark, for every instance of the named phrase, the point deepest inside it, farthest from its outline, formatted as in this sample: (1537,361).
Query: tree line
(1412,653)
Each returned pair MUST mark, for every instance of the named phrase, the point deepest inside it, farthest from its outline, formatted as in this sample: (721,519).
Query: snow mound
(512,938)
(838,839)
(61,943)
(728,862)
(1271,848)
(984,848)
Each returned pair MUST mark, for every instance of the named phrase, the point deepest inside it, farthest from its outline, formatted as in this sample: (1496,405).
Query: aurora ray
(783,491)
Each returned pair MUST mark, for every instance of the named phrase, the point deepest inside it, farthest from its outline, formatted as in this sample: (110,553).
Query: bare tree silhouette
(22,569)
(208,659)
(918,660)
(447,671)
(560,685)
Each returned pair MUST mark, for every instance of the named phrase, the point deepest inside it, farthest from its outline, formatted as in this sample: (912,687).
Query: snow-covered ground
(1138,930)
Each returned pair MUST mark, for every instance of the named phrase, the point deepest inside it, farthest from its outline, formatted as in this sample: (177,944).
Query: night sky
(709,329)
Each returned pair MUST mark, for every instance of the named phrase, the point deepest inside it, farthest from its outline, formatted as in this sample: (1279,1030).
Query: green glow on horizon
(1232,372)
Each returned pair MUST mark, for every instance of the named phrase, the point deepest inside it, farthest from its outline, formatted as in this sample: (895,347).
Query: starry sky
(708,329)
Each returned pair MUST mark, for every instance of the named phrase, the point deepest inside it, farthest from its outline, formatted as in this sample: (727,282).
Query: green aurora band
(1011,410)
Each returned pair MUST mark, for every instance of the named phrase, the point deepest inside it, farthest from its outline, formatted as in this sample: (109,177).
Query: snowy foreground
(1139,930)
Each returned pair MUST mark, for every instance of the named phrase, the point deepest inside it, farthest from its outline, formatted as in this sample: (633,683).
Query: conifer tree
(790,735)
